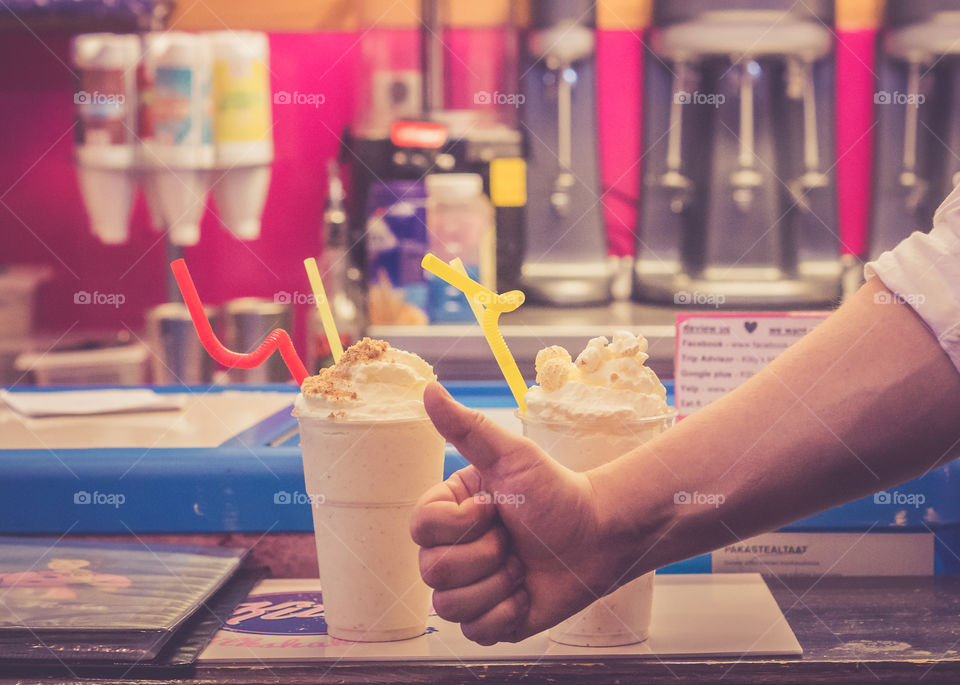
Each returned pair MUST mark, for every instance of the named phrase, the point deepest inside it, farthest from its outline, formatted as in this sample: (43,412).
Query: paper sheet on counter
(90,402)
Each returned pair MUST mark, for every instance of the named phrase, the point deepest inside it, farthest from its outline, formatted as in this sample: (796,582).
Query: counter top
(460,351)
(852,630)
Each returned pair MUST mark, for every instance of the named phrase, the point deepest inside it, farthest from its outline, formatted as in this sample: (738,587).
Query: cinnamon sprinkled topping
(331,382)
(367,350)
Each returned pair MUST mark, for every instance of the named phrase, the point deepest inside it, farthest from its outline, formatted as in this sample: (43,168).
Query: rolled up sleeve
(923,271)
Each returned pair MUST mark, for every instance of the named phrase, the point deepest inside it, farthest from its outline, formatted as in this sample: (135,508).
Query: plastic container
(242,130)
(396,241)
(178,357)
(176,129)
(363,479)
(247,321)
(105,101)
(18,287)
(623,616)
(460,223)
(109,365)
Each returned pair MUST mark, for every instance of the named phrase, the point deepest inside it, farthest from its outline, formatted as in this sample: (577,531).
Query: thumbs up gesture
(513,543)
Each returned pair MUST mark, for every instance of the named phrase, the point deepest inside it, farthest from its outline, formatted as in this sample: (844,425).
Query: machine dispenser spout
(673,179)
(914,184)
(800,82)
(746,179)
(560,47)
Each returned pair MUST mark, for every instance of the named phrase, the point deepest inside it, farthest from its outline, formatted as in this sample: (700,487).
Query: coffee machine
(917,130)
(566,259)
(738,197)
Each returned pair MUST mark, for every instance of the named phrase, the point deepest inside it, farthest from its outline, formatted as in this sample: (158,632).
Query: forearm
(866,400)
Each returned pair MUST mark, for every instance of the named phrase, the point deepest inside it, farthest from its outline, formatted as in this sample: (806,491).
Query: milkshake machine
(738,195)
(918,130)
(566,259)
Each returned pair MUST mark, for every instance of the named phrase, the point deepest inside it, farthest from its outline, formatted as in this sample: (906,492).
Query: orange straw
(278,339)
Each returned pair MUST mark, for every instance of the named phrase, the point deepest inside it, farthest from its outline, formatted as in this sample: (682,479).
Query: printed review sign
(717,351)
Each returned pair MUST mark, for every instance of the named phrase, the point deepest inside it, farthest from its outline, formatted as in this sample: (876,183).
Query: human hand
(511,544)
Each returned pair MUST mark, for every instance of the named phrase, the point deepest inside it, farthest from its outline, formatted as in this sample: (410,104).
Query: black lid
(902,12)
(675,11)
(545,13)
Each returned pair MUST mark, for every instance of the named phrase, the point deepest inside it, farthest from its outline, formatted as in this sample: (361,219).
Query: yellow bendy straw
(487,306)
(323,305)
(475,306)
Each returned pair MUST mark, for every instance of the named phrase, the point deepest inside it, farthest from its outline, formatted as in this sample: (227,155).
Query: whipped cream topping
(608,380)
(372,381)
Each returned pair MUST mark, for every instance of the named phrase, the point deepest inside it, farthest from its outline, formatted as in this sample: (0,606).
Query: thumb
(481,441)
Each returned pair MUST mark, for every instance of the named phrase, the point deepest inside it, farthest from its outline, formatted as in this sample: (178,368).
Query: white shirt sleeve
(923,271)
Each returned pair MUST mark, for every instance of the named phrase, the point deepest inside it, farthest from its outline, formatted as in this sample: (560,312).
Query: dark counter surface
(853,630)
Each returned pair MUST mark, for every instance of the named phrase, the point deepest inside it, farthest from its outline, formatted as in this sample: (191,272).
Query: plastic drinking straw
(475,306)
(323,306)
(278,339)
(491,306)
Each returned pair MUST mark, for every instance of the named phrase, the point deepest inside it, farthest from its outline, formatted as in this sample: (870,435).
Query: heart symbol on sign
(751,326)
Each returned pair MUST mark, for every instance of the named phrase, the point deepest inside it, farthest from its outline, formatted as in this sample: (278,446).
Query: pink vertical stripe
(619,95)
(855,88)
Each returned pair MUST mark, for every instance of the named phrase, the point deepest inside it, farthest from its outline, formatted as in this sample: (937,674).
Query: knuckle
(443,606)
(419,527)
(432,569)
(495,543)
(423,527)
(518,605)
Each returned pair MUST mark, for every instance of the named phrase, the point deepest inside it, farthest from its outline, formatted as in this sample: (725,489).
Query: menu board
(717,351)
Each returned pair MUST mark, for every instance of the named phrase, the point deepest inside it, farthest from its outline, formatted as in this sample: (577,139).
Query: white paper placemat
(90,402)
(699,615)
(202,420)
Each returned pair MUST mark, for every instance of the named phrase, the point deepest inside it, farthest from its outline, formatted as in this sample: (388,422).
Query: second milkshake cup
(369,452)
(584,415)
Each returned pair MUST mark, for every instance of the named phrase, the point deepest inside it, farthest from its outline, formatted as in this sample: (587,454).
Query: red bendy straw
(278,339)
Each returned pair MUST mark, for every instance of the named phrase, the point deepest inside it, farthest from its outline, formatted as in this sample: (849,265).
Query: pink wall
(42,218)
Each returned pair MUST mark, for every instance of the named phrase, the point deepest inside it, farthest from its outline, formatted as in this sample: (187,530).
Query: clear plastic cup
(363,479)
(623,616)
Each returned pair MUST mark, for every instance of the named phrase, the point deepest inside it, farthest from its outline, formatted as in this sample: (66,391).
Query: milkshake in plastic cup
(584,414)
(369,452)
